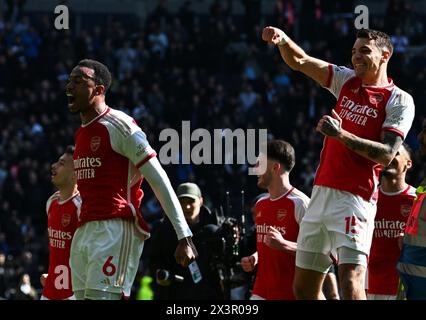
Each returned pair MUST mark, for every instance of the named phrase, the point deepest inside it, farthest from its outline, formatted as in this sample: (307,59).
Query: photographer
(200,280)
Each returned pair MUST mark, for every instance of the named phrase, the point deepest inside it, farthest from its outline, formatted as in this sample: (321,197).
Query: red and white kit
(392,212)
(365,111)
(62,221)
(275,269)
(108,152)
(343,201)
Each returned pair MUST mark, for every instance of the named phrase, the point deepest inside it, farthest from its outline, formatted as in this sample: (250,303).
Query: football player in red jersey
(112,156)
(277,225)
(393,206)
(63,208)
(370,121)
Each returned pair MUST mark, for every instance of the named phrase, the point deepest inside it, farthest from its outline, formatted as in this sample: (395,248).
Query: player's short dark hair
(282,152)
(102,74)
(70,150)
(381,39)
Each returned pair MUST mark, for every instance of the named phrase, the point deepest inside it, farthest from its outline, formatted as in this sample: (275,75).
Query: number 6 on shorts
(109,269)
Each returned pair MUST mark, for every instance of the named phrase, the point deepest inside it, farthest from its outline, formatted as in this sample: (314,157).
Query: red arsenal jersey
(392,212)
(62,221)
(109,150)
(275,269)
(365,111)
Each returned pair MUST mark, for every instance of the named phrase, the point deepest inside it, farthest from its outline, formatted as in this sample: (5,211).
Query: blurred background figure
(200,280)
(25,290)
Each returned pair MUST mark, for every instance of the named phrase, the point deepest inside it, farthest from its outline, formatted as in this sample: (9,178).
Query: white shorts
(380,297)
(366,280)
(336,219)
(105,256)
(69,298)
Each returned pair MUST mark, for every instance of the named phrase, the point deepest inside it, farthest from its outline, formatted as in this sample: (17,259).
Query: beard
(263,182)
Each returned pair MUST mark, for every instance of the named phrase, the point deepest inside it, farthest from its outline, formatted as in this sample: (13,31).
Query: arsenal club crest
(281,213)
(65,219)
(95,142)
(405,210)
(376,98)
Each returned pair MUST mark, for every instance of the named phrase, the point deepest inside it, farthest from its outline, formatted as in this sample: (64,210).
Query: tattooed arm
(381,152)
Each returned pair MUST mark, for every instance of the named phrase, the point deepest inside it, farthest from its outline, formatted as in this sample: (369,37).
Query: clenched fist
(248,263)
(274,35)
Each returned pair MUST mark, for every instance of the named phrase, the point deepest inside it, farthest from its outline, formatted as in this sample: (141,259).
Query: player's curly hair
(102,74)
(381,39)
(283,152)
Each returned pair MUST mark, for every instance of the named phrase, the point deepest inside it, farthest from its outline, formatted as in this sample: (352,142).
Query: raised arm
(295,57)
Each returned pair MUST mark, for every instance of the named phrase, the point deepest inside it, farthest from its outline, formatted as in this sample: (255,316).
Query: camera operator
(198,281)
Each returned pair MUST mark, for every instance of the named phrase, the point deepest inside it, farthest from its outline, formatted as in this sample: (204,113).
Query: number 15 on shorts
(352,225)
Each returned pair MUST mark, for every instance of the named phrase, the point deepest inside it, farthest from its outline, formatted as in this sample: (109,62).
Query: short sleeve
(301,202)
(400,112)
(300,209)
(127,138)
(338,75)
(137,148)
(50,200)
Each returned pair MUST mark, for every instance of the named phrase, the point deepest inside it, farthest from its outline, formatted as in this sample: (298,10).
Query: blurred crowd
(211,69)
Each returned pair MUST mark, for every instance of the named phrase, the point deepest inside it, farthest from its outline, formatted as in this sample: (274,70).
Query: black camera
(222,242)
(165,277)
